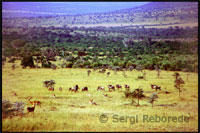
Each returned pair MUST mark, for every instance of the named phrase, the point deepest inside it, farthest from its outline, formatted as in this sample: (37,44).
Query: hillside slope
(151,13)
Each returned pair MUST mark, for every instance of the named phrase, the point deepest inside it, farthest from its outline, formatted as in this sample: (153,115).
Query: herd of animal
(101,88)
(76,88)
(50,85)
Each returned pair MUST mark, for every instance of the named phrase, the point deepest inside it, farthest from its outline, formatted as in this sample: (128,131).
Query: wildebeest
(100,88)
(127,87)
(75,88)
(156,87)
(85,89)
(118,86)
(111,87)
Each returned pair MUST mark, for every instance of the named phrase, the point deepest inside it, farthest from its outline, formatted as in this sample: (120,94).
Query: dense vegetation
(112,47)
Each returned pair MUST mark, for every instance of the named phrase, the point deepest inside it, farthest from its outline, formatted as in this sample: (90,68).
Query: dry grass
(73,111)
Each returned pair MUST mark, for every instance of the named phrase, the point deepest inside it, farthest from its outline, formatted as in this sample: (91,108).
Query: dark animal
(111,87)
(127,87)
(118,86)
(31,109)
(84,89)
(100,88)
(156,87)
(75,88)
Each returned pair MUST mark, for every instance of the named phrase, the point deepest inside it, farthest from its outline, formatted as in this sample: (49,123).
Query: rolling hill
(153,13)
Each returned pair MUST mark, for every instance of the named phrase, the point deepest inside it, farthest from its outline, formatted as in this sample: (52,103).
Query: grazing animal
(108,73)
(127,87)
(93,102)
(38,103)
(156,87)
(34,102)
(75,88)
(111,88)
(31,109)
(84,89)
(51,89)
(100,88)
(118,86)
(14,93)
(60,89)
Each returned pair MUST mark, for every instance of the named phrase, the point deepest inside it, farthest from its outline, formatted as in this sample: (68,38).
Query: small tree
(138,93)
(153,98)
(27,61)
(88,72)
(49,83)
(176,75)
(12,109)
(178,82)
(158,70)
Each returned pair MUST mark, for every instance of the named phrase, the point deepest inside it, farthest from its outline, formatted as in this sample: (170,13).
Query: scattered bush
(12,109)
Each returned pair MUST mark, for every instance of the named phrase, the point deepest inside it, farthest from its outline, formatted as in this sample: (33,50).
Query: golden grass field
(74,112)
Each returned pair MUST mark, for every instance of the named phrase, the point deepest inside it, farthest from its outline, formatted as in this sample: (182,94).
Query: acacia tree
(158,70)
(153,98)
(138,93)
(178,83)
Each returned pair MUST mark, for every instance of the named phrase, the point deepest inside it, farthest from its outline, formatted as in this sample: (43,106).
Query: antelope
(34,102)
(93,102)
(31,109)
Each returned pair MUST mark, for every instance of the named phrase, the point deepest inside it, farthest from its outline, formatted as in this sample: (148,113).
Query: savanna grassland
(156,37)
(72,111)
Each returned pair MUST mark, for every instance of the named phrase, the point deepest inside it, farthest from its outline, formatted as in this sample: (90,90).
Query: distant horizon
(36,9)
